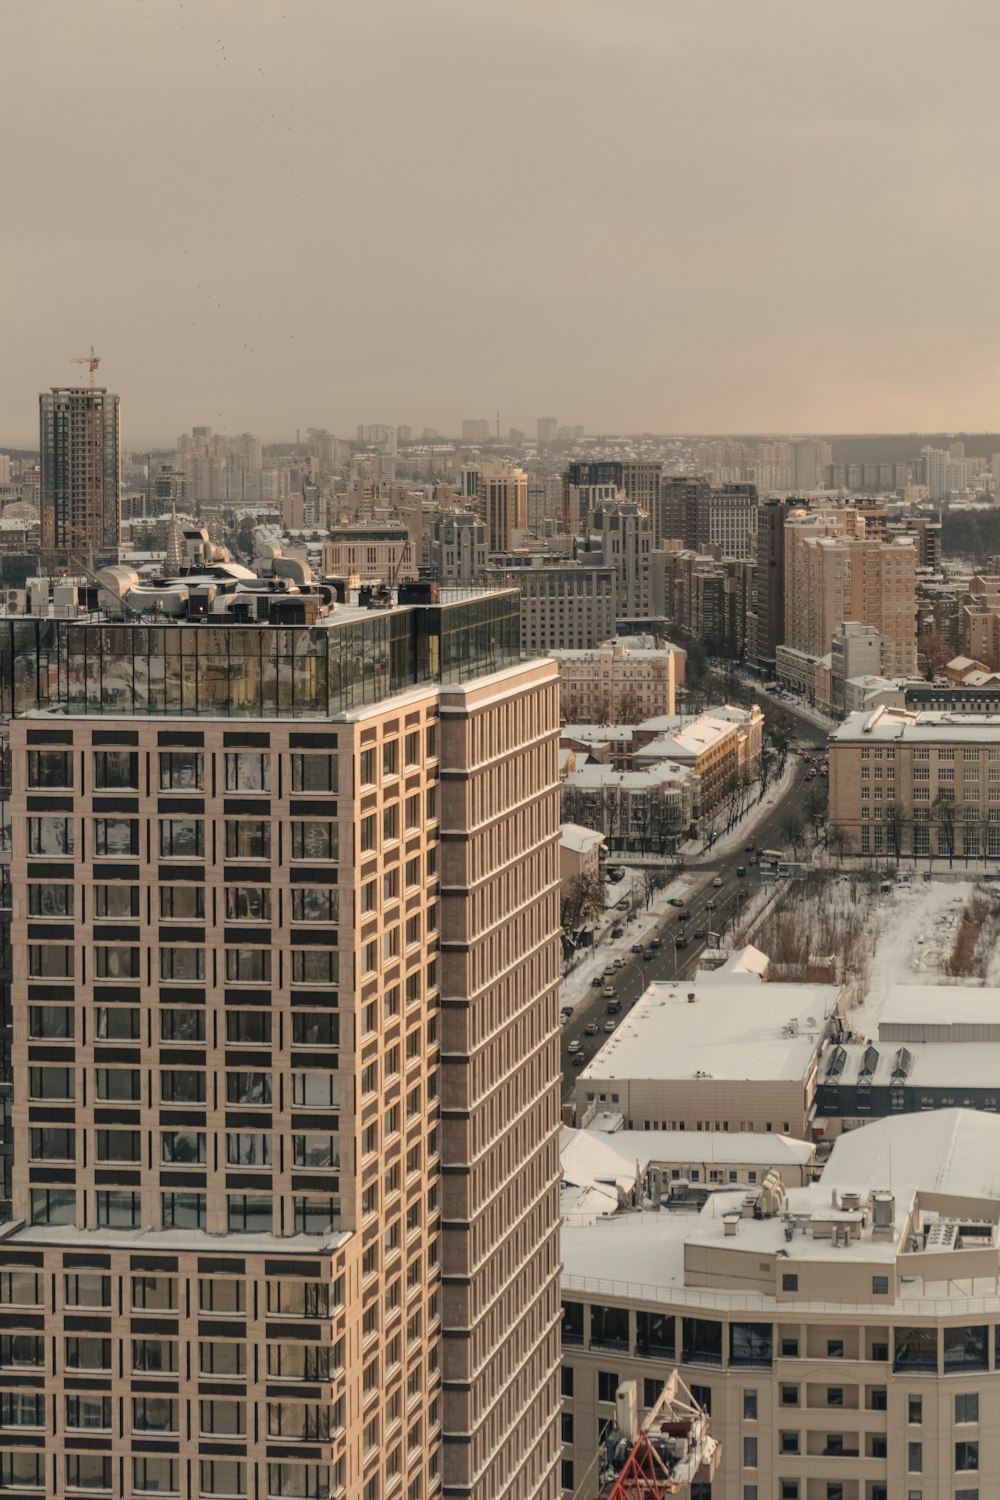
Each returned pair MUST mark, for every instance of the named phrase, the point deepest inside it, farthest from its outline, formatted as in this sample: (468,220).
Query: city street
(669,961)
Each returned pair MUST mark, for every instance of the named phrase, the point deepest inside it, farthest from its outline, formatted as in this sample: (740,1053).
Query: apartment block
(621,682)
(564,606)
(286,1076)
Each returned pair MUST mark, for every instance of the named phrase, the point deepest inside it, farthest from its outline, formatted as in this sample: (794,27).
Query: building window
(966,1455)
(181,902)
(750,1344)
(314,773)
(182,838)
(183,1210)
(88,1413)
(50,900)
(248,838)
(967,1408)
(182,771)
(248,771)
(154,1414)
(118,1209)
(155,1475)
(608,1382)
(248,903)
(965,1348)
(116,836)
(915,1458)
(88,1471)
(655,1334)
(114,961)
(915,1410)
(880,1286)
(50,961)
(250,1213)
(315,1214)
(701,1341)
(315,1028)
(315,839)
(182,1086)
(50,768)
(248,965)
(315,904)
(315,966)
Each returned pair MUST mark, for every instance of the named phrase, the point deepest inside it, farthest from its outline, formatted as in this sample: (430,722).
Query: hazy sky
(674,215)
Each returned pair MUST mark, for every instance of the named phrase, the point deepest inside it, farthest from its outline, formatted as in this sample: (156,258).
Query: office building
(546,429)
(80,442)
(925,781)
(285,970)
(476,430)
(564,606)
(618,531)
(643,484)
(842,1335)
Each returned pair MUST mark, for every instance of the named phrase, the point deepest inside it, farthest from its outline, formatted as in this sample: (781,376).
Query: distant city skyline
(772,223)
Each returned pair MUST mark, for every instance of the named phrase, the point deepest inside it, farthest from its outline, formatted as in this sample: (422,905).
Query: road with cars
(704,908)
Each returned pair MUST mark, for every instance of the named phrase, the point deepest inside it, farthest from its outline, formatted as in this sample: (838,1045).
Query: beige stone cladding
(500,1094)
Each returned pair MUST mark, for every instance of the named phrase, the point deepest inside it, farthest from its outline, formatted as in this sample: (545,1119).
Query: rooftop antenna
(90,359)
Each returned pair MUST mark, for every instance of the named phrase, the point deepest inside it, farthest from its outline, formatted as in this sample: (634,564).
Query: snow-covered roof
(730,1031)
(749,960)
(596,1156)
(923,726)
(958,1065)
(593,776)
(954,1151)
(579,839)
(946,1007)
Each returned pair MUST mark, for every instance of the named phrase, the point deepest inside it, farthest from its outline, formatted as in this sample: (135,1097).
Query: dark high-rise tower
(81,470)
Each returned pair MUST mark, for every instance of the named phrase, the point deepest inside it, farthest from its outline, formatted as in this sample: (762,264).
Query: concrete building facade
(80,442)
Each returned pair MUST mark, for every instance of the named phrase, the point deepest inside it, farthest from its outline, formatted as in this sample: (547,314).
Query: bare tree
(839,842)
(792,831)
(894,818)
(944,815)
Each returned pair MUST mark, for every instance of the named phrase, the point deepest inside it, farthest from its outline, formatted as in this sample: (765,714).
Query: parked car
(675,901)
(614,874)
(590,1029)
(619,963)
(597,981)
(717,882)
(749,849)
(617,932)
(637,948)
(609,971)
(567,1010)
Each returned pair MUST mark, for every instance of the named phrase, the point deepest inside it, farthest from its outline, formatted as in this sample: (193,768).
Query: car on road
(648,956)
(675,901)
(608,992)
(609,971)
(596,982)
(717,882)
(637,947)
(578,1059)
(700,932)
(680,942)
(614,1008)
(590,1029)
(740,871)
(656,942)
(749,849)
(711,905)
(685,916)
(617,932)
(609,1025)
(575,1046)
(566,1012)
(619,963)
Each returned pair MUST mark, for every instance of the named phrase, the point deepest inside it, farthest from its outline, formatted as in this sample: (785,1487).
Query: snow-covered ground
(912,934)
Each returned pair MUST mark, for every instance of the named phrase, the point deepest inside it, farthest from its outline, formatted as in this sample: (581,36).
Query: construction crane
(658,1454)
(90,359)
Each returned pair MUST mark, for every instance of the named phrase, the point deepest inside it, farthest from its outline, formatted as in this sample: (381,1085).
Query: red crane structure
(662,1453)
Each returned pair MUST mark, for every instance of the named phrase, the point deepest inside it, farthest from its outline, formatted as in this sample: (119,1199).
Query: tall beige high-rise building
(502,492)
(547,429)
(285,971)
(835,571)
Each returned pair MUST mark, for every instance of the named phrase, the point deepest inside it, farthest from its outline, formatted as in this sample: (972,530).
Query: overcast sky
(667,215)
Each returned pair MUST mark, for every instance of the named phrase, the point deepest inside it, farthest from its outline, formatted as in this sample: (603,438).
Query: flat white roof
(923,726)
(951,1151)
(176,1240)
(939,1005)
(597,1156)
(732,1030)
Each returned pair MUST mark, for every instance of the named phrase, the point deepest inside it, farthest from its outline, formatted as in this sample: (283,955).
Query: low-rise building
(862,1082)
(373,551)
(579,854)
(721,748)
(843,1336)
(621,681)
(642,811)
(723,1051)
